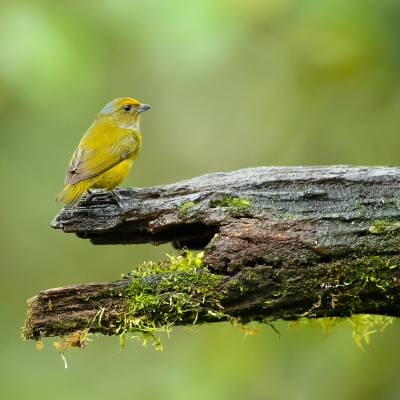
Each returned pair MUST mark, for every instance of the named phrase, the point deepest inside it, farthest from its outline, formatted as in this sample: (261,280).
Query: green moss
(213,240)
(184,208)
(347,285)
(372,273)
(172,264)
(363,325)
(233,202)
(383,226)
(161,295)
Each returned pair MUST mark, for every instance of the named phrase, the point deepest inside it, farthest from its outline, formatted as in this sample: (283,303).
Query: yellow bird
(106,151)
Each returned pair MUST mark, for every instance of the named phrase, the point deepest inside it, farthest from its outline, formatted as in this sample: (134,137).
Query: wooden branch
(278,242)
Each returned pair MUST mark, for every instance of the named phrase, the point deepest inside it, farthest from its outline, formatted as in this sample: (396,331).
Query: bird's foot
(118,199)
(89,196)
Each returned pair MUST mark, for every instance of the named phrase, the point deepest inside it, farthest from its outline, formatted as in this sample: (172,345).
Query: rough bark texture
(283,242)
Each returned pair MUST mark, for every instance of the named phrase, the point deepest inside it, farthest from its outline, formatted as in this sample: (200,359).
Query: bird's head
(125,112)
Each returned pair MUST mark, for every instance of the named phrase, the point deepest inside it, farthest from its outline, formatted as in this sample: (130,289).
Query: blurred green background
(232,83)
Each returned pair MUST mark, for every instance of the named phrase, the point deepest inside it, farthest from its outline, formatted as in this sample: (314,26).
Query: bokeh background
(233,84)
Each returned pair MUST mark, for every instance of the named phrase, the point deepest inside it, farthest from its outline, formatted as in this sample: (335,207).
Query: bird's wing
(88,162)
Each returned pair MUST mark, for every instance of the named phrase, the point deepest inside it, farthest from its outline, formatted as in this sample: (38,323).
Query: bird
(106,151)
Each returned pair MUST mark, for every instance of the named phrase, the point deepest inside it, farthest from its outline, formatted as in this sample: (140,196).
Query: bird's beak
(143,107)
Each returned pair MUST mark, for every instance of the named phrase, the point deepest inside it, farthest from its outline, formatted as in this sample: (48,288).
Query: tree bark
(279,242)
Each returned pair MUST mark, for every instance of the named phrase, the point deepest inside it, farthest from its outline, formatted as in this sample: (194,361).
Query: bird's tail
(71,194)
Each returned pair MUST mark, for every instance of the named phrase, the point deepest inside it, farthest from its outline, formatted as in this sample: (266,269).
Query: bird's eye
(127,107)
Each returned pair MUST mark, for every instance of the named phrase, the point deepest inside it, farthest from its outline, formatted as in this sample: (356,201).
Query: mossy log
(279,242)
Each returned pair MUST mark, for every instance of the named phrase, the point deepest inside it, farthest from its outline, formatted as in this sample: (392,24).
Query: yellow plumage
(106,152)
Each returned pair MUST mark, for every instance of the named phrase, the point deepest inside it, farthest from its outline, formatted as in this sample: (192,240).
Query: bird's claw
(118,199)
(89,196)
